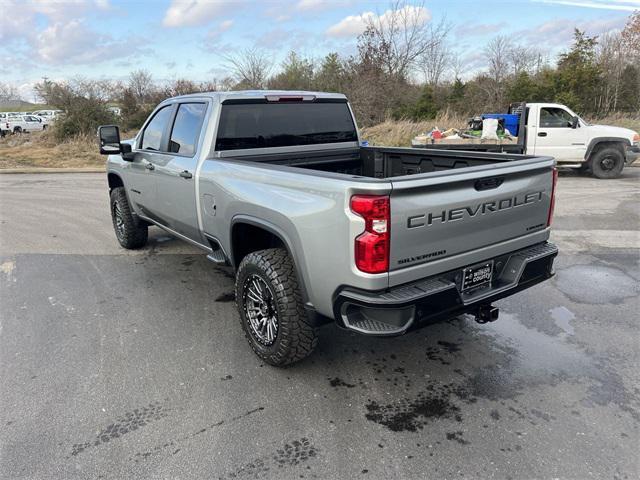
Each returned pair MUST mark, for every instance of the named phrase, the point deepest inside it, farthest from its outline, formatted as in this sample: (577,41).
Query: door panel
(176,195)
(175,172)
(152,141)
(556,138)
(141,184)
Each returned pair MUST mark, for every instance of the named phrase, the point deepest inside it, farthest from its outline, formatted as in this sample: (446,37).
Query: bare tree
(404,33)
(141,85)
(437,57)
(8,93)
(612,58)
(523,59)
(250,68)
(497,53)
(456,65)
(631,35)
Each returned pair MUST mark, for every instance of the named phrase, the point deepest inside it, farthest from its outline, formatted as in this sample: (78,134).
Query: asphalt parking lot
(117,364)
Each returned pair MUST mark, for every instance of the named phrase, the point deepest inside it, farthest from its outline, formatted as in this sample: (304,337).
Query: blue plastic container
(511,121)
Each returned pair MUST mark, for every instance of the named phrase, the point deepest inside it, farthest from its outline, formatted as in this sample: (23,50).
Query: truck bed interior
(377,162)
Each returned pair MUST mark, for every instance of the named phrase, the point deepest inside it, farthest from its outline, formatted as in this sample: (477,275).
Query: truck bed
(384,163)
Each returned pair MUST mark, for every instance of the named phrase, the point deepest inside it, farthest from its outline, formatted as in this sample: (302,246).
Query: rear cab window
(262,124)
(186,128)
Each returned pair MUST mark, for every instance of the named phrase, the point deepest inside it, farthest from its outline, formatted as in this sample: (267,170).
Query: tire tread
(297,339)
(136,233)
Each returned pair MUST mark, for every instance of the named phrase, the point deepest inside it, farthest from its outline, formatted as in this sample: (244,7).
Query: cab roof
(259,94)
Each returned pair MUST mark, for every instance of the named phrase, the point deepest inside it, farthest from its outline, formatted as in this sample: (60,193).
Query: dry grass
(39,149)
(398,133)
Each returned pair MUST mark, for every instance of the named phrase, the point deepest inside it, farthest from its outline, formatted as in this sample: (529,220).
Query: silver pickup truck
(318,228)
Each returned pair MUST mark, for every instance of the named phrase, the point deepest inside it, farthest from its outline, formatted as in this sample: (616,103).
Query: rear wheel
(130,232)
(271,310)
(607,163)
(17,130)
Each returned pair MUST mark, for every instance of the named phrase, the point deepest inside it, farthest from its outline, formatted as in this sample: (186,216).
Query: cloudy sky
(187,38)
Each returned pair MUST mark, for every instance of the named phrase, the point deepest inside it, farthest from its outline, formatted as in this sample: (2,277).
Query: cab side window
(186,128)
(555,118)
(152,135)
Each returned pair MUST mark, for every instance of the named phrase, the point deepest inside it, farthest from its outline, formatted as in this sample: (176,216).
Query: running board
(217,256)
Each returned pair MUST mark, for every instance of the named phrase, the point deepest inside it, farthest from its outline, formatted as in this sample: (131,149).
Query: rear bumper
(399,309)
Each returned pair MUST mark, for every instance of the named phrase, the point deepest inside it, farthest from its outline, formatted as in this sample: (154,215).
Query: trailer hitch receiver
(487,313)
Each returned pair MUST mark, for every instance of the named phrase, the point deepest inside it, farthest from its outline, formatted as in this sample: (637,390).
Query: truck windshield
(263,125)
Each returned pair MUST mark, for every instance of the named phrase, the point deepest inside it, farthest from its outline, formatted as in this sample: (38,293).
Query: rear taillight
(553,196)
(372,246)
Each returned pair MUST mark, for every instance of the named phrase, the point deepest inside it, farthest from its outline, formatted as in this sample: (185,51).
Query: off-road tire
(17,130)
(295,338)
(600,158)
(132,233)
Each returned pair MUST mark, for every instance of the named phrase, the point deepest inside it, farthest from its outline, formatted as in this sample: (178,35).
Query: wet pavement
(116,364)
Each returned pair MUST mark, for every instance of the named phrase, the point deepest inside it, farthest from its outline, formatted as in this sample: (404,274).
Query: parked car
(318,228)
(555,130)
(50,115)
(117,111)
(24,123)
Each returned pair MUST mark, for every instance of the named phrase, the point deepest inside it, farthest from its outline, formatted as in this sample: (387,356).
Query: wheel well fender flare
(278,233)
(597,141)
(114,180)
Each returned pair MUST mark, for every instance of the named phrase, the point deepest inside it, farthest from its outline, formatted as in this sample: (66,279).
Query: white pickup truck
(23,124)
(554,130)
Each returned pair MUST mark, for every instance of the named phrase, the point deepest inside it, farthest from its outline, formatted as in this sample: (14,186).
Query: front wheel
(270,306)
(130,232)
(607,163)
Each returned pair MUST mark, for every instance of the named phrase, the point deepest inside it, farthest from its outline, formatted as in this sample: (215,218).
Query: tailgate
(451,219)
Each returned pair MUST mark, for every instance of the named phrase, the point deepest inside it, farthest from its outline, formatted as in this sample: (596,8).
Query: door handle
(186,174)
(542,134)
(149,166)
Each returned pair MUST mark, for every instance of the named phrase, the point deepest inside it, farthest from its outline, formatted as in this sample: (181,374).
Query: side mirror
(110,144)
(109,136)
(575,122)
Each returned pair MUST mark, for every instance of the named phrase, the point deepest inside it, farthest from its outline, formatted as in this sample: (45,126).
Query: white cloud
(187,13)
(354,25)
(18,17)
(559,32)
(74,43)
(311,4)
(63,39)
(226,25)
(351,26)
(222,27)
(623,5)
